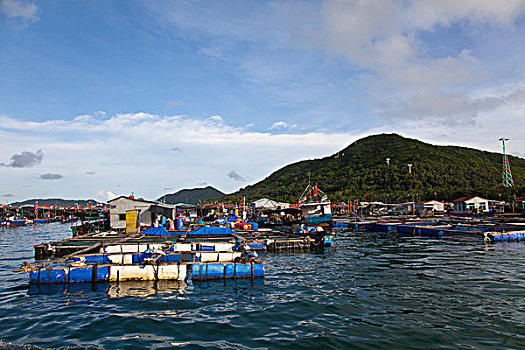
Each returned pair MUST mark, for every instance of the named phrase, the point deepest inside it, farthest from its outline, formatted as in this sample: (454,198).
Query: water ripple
(370,291)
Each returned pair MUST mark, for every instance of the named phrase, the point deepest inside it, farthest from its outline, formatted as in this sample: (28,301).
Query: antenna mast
(506,176)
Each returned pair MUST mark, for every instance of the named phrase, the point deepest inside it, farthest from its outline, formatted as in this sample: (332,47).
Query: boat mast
(309,187)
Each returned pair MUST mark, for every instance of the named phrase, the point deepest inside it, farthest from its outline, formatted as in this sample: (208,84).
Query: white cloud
(19,9)
(133,150)
(384,38)
(212,52)
(427,14)
(107,195)
(383,41)
(283,125)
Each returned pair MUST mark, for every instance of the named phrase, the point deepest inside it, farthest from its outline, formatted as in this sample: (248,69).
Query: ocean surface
(369,291)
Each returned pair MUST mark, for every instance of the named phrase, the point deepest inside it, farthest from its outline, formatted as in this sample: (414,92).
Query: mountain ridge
(360,171)
(192,196)
(56,201)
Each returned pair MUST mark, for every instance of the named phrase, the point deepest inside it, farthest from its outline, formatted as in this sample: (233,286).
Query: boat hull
(14,223)
(321,219)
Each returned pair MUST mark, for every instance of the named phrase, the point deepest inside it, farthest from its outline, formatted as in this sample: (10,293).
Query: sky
(106,98)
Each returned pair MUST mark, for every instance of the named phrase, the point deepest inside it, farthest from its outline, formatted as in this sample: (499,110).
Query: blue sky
(105,98)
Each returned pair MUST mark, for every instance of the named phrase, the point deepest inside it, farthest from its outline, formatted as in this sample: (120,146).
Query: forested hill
(360,171)
(192,196)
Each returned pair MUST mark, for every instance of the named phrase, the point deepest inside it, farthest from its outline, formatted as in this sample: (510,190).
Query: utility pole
(506,175)
(166,189)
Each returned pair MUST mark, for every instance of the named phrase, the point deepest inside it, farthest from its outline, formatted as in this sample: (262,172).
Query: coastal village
(131,238)
(324,174)
(136,239)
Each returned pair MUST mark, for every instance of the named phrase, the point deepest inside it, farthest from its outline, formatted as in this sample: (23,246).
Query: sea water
(369,291)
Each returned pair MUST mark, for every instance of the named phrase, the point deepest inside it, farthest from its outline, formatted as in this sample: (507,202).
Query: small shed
(433,205)
(266,203)
(148,211)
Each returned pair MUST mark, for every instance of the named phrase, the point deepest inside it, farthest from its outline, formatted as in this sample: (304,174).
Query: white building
(266,203)
(435,206)
(475,204)
(148,211)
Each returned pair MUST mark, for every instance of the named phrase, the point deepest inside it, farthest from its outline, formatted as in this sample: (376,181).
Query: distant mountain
(56,201)
(192,196)
(360,171)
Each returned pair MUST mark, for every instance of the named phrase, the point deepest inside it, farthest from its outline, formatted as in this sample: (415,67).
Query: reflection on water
(113,290)
(145,289)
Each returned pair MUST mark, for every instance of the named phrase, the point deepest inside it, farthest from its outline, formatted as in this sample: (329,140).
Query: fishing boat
(14,222)
(315,206)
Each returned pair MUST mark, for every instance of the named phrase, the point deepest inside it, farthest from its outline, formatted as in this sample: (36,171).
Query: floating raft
(133,258)
(135,272)
(513,236)
(439,228)
(204,254)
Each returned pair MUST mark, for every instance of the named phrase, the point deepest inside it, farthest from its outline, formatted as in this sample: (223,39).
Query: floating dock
(513,236)
(156,254)
(501,230)
(273,241)
(95,273)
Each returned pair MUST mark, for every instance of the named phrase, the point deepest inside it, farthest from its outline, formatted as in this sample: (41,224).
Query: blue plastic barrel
(179,224)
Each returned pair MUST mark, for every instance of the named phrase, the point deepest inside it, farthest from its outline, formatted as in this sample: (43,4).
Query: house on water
(430,206)
(465,205)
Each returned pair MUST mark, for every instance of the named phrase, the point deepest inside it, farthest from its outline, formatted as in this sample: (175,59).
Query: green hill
(192,196)
(360,171)
(57,201)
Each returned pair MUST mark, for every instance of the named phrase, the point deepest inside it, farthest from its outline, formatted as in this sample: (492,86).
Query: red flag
(315,190)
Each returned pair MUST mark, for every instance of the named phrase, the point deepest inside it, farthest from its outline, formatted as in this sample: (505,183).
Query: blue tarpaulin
(206,230)
(159,231)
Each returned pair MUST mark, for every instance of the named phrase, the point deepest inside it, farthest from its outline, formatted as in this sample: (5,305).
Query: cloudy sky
(103,98)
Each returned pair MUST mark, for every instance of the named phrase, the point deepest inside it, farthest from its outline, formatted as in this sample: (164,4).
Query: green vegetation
(360,171)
